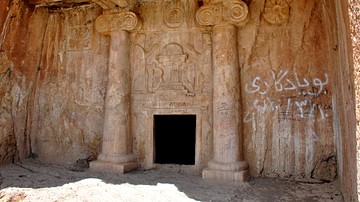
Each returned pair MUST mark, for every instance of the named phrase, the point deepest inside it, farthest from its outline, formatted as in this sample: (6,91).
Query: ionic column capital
(115,22)
(219,12)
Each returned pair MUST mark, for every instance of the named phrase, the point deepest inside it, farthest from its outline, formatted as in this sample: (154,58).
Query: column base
(225,175)
(110,167)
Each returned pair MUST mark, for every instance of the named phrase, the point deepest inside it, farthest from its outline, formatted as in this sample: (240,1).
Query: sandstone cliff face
(348,13)
(52,90)
(53,73)
(287,64)
(19,54)
(67,114)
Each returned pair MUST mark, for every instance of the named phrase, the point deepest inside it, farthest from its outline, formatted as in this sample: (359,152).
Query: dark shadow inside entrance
(175,137)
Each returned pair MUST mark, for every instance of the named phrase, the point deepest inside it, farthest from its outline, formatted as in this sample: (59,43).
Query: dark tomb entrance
(175,137)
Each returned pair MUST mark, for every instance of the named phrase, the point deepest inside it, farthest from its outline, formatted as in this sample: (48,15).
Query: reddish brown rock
(285,70)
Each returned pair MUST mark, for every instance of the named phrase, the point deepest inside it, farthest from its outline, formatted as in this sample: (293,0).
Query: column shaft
(117,101)
(227,162)
(226,94)
(116,151)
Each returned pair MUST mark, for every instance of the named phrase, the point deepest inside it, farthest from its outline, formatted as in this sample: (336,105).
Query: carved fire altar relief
(171,68)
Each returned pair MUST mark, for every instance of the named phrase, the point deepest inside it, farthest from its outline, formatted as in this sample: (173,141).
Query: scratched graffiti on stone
(291,96)
(283,81)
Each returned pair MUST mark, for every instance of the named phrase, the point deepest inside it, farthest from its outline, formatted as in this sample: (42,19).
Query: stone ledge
(122,168)
(240,176)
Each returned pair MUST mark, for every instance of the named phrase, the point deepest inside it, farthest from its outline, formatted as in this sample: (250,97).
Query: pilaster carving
(230,11)
(113,22)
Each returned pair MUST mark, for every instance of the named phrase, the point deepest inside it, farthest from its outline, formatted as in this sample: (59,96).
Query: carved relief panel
(80,35)
(171,73)
(175,57)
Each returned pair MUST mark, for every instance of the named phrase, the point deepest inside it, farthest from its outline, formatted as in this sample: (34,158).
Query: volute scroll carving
(233,12)
(113,22)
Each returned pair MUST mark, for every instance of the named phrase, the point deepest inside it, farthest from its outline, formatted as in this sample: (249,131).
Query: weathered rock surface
(68,101)
(354,15)
(20,56)
(287,87)
(54,73)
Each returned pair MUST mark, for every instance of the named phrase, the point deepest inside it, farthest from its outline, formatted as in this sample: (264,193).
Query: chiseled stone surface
(292,83)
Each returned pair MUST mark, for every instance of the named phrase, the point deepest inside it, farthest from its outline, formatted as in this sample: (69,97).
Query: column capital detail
(223,12)
(114,22)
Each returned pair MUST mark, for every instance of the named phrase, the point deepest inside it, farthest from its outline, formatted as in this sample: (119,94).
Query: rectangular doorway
(174,139)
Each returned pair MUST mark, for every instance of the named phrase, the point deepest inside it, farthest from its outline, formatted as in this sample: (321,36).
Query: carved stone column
(116,154)
(224,17)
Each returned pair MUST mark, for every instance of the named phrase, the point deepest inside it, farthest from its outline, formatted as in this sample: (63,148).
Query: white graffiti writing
(281,81)
(289,109)
(291,96)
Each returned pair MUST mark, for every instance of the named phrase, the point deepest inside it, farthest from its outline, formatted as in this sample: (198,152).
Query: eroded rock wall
(68,103)
(19,53)
(53,79)
(52,82)
(286,65)
(354,13)
(347,98)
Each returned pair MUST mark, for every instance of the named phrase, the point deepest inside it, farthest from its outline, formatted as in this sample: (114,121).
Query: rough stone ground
(35,181)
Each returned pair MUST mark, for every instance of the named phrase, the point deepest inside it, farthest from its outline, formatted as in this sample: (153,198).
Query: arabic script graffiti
(281,82)
(293,97)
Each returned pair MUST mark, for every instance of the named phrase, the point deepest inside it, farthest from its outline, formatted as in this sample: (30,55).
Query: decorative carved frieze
(276,11)
(109,4)
(114,22)
(58,3)
(230,11)
(120,3)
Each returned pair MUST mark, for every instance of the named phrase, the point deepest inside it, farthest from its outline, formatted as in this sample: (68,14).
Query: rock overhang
(105,4)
